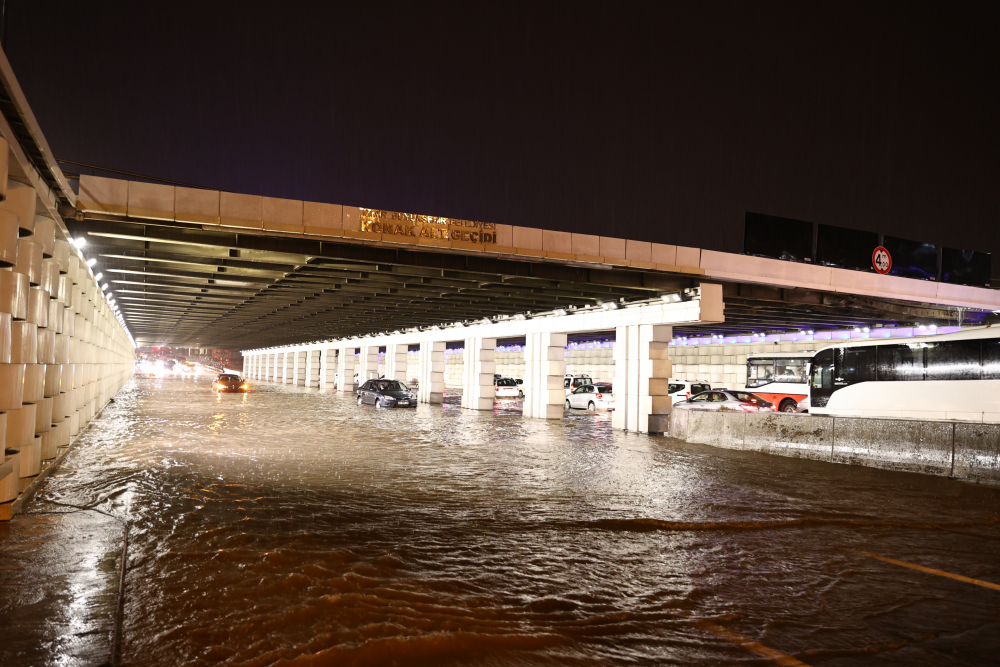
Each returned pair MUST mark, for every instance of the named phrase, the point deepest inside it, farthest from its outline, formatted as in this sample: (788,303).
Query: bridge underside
(181,284)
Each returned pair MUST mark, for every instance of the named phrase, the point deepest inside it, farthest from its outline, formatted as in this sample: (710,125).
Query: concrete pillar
(431,372)
(268,367)
(299,368)
(287,368)
(368,361)
(345,369)
(642,371)
(313,358)
(544,368)
(326,369)
(395,362)
(477,376)
(277,362)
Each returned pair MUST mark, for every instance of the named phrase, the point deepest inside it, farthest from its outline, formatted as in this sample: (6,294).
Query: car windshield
(506,383)
(746,397)
(229,378)
(391,385)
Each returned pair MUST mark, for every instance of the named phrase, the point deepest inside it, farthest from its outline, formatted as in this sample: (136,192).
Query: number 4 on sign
(881,260)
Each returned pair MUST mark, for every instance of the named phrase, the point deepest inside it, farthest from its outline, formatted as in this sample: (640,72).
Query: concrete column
(395,362)
(544,368)
(277,361)
(287,371)
(299,368)
(477,376)
(368,360)
(326,369)
(345,369)
(431,372)
(272,360)
(642,371)
(313,359)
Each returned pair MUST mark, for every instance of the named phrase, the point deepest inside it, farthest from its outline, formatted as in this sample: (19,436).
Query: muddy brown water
(293,527)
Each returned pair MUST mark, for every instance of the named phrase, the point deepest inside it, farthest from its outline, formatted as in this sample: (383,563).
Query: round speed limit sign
(881,260)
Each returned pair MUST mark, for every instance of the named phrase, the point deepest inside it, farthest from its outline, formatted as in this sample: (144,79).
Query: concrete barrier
(963,450)
(895,444)
(977,453)
(790,434)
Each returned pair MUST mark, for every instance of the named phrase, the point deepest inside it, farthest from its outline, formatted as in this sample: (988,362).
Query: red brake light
(600,396)
(689,395)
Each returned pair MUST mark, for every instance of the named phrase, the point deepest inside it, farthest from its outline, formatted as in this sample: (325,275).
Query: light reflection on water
(289,526)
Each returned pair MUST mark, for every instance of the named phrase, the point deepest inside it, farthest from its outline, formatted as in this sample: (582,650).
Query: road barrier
(968,451)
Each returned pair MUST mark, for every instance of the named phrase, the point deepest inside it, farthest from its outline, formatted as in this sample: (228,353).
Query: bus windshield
(766,371)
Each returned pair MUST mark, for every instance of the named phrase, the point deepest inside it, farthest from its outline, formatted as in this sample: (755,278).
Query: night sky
(654,121)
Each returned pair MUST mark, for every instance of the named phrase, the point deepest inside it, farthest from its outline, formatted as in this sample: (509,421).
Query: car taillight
(600,396)
(688,395)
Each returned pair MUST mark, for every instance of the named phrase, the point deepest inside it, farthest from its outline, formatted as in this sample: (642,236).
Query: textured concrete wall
(896,444)
(962,450)
(799,436)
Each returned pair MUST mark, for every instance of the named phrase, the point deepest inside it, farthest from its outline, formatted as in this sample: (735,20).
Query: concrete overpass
(303,287)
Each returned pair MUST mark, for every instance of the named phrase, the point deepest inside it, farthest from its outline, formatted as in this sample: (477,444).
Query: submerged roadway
(288,526)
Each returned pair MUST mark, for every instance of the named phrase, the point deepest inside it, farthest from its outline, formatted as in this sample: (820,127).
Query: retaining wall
(963,450)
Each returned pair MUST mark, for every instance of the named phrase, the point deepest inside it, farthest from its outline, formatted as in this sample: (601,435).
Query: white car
(507,388)
(571,382)
(592,397)
(742,401)
(681,390)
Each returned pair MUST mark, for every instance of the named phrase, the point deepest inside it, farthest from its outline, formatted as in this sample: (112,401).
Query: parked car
(803,405)
(592,397)
(507,388)
(387,393)
(726,400)
(681,390)
(571,382)
(229,382)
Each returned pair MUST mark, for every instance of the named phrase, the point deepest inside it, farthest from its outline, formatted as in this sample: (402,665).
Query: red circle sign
(881,260)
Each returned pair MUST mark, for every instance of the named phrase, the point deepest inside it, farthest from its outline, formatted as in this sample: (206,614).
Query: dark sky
(659,121)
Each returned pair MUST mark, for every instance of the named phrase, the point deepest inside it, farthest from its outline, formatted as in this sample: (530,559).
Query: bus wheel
(788,405)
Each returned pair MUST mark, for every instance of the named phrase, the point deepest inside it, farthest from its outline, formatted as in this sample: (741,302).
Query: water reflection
(289,526)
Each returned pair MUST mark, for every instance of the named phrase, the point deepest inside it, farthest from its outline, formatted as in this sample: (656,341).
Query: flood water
(293,527)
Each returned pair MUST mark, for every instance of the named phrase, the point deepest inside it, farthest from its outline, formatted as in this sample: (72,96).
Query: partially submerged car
(229,382)
(386,393)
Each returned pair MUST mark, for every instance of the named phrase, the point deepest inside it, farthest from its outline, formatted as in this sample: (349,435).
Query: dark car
(387,393)
(229,382)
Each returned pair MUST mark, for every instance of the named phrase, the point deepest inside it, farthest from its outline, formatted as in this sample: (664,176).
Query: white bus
(951,376)
(779,377)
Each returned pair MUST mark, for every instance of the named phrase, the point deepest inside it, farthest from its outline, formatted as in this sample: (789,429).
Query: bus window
(953,360)
(790,370)
(760,372)
(854,365)
(822,379)
(991,359)
(901,362)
